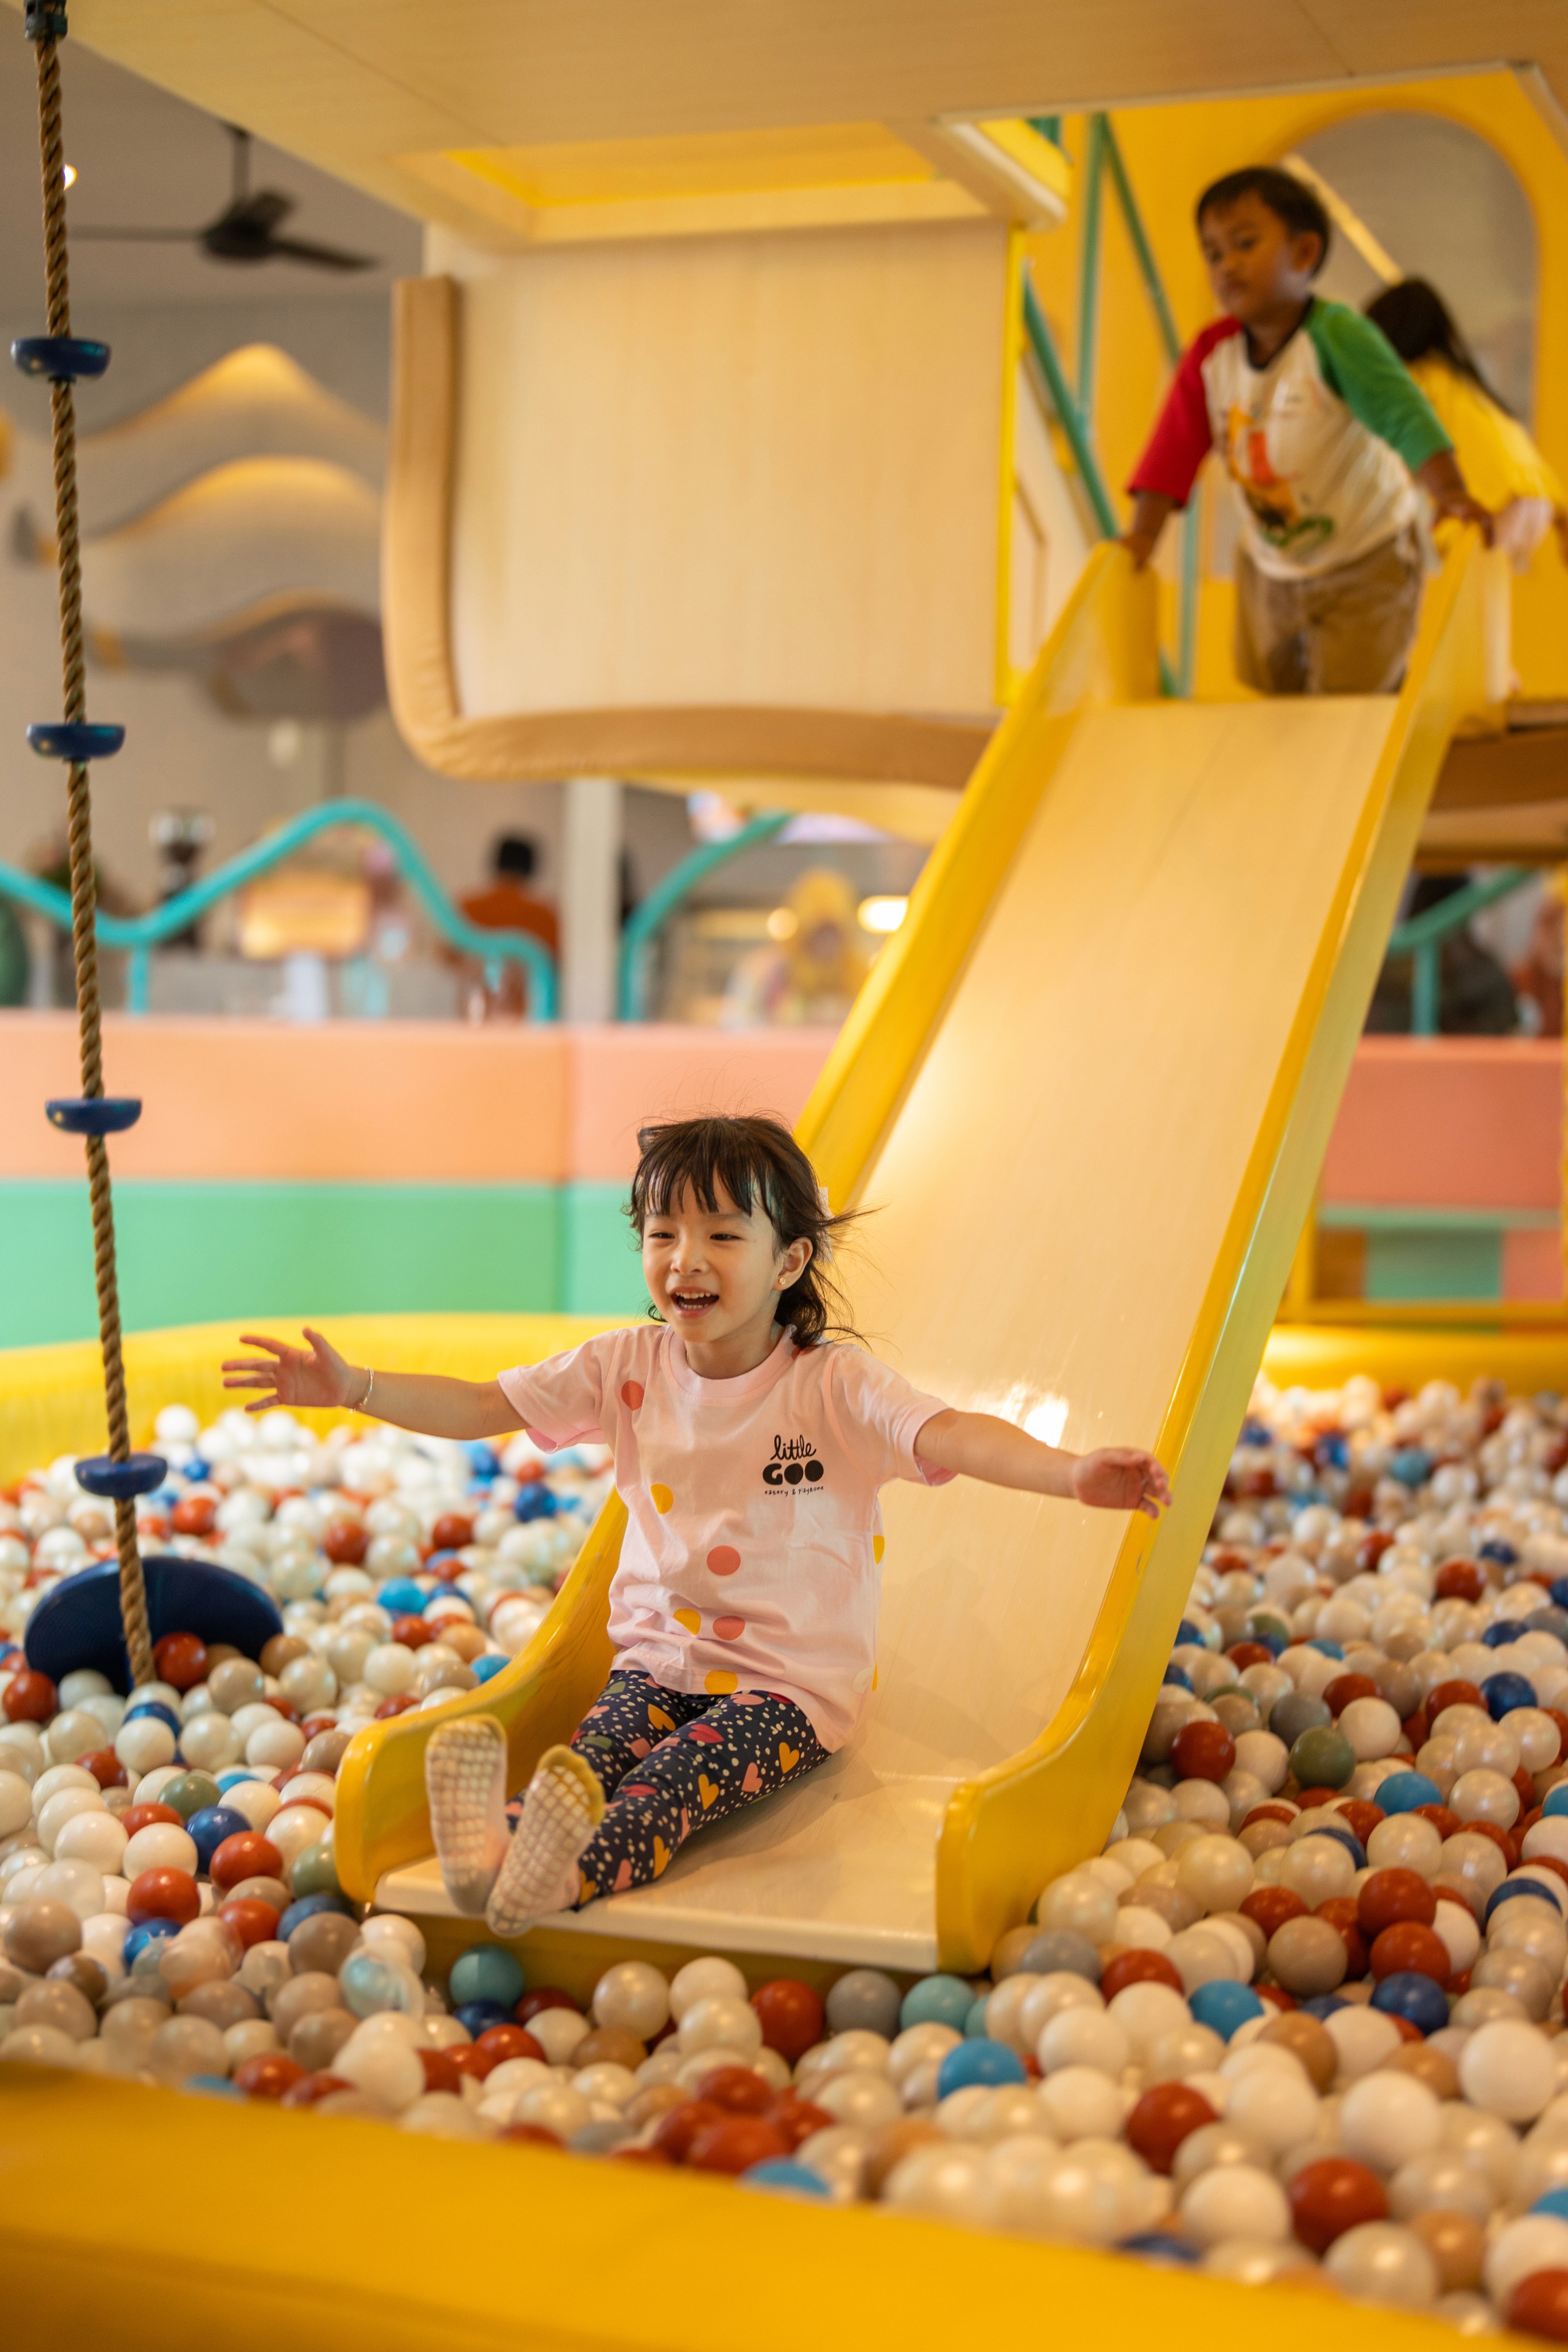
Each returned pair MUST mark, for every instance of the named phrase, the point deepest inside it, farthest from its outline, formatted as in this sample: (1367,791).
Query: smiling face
(717,1274)
(1256,266)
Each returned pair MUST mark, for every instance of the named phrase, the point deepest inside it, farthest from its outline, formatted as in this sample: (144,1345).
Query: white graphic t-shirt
(751,1560)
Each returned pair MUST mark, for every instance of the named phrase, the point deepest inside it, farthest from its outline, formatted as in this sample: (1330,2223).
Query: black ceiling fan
(247,229)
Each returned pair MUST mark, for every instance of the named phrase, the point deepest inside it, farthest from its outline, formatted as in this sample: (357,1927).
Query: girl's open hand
(297,1376)
(1120,1478)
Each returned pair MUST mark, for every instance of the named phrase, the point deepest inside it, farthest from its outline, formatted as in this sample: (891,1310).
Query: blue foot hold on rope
(142,1473)
(74,739)
(61,358)
(94,1114)
(76,1624)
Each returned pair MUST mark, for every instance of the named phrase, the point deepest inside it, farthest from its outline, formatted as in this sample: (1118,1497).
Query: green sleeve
(1362,366)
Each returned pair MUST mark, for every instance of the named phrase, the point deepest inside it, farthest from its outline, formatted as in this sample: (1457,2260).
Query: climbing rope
(119,1476)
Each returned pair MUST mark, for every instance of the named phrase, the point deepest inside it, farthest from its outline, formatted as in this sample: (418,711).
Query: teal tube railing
(140,934)
(646,920)
(1421,939)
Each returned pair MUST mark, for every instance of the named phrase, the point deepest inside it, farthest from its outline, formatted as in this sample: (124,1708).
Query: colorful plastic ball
(1511,1890)
(989,2063)
(791,2015)
(1331,2195)
(1223,2006)
(1323,1759)
(478,2016)
(210,1827)
(1159,2247)
(1057,1951)
(163,1894)
(1163,2117)
(188,1793)
(1410,1947)
(1390,1897)
(245,1853)
(29,1697)
(1539,2305)
(252,1921)
(181,1659)
(737,2089)
(268,2075)
(935,2000)
(1502,1693)
(735,2143)
(784,2177)
(508,2041)
(1417,1997)
(489,1973)
(1203,1751)
(145,1933)
(865,1999)
(541,1997)
(308,1907)
(1136,1968)
(975,2023)
(1405,1792)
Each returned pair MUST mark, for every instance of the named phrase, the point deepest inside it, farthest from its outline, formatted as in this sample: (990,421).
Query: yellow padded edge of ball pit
(51,1399)
(258,2229)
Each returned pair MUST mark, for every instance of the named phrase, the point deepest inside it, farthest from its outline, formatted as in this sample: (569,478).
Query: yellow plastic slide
(1086,1097)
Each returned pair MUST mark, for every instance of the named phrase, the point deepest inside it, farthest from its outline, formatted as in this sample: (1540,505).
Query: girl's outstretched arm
(979,1445)
(319,1375)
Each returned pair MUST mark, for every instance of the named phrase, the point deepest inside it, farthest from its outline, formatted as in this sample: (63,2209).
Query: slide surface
(1084,1097)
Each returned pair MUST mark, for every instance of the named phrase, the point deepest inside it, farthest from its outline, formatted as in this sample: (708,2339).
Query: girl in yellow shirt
(1500,463)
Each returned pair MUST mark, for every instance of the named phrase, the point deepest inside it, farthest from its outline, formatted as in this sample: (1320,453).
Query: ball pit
(1301,2018)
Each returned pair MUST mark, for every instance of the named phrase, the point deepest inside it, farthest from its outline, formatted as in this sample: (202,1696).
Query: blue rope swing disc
(62,359)
(101,1474)
(78,1623)
(93,1114)
(77,741)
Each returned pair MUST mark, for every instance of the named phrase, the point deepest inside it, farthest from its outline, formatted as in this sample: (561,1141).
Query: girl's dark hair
(755,1162)
(1420,325)
(1289,199)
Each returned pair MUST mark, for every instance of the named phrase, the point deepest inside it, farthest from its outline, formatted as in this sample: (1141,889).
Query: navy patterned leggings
(672,1762)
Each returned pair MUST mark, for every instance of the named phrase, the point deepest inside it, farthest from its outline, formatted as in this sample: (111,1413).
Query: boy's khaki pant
(1348,631)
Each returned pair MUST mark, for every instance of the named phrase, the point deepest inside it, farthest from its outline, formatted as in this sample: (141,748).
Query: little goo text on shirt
(794,1461)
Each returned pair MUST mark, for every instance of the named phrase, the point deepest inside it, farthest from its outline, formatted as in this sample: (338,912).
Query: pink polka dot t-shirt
(751,1560)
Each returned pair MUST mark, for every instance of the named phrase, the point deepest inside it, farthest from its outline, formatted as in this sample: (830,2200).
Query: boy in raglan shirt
(1320,428)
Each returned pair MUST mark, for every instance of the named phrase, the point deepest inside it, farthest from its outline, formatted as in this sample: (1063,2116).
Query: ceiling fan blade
(260,214)
(324,257)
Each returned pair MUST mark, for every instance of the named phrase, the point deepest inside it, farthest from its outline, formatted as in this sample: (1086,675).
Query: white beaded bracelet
(370,1384)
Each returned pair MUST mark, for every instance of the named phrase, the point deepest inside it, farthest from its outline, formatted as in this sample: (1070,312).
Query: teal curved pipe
(142,934)
(660,902)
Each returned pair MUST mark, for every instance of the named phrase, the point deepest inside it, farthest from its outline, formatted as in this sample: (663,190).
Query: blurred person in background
(508,903)
(814,973)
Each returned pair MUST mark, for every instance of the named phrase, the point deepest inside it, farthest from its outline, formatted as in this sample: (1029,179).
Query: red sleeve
(1182,438)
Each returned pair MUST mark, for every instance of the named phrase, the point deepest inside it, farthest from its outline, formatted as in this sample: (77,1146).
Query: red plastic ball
(542,1997)
(797,2118)
(790,2014)
(1338,1694)
(1409,1945)
(735,2143)
(1539,2305)
(1459,1580)
(1561,1721)
(1373,1544)
(1161,2120)
(253,1921)
(410,1631)
(194,1515)
(1340,1912)
(678,2126)
(1389,1896)
(1280,1811)
(1454,1694)
(1268,1907)
(452,1530)
(737,2089)
(247,1854)
(164,1895)
(397,1705)
(141,1816)
(268,2075)
(106,1768)
(1332,2195)
(1360,1816)
(1446,1823)
(345,1543)
(1417,1730)
(469,2059)
(1243,1654)
(1506,1845)
(503,2042)
(180,1658)
(527,2135)
(29,1697)
(1203,1751)
(1138,1968)
(311,2087)
(1524,1781)
(441,2072)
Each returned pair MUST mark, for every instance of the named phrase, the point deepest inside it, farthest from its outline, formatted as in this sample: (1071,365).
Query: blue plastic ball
(484,1462)
(1558,1588)
(1513,1887)
(154,1707)
(1496,1548)
(478,2016)
(1402,1792)
(936,2000)
(150,1931)
(1223,2006)
(486,1972)
(975,2023)
(987,2063)
(1331,1452)
(1179,1676)
(1323,2004)
(1504,1692)
(212,2087)
(1505,1629)
(306,1908)
(370,1980)
(1409,1994)
(535,1503)
(1556,1799)
(400,1596)
(487,1667)
(1348,1838)
(210,1826)
(784,2178)
(1410,1465)
(1154,2246)
(1255,1433)
(1330,1648)
(1554,2201)
(233,1774)
(1271,1642)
